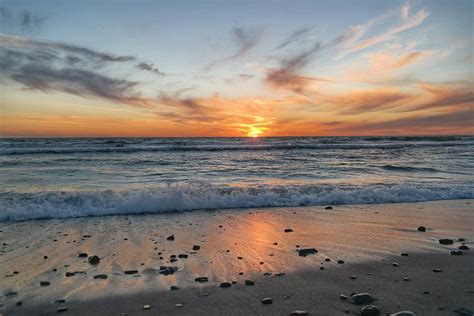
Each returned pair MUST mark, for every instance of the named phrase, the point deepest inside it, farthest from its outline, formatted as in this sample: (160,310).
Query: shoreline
(369,238)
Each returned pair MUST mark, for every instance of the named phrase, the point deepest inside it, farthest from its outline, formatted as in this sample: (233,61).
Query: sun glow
(254,132)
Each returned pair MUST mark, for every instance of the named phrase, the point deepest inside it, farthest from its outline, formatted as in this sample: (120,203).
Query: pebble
(406,279)
(69,274)
(404,254)
(225,284)
(456,252)
(463,311)
(249,282)
(167,270)
(45,283)
(174,288)
(353,277)
(437,270)
(307,251)
(60,301)
(178,305)
(19,303)
(94,260)
(463,247)
(62,309)
(370,310)
(446,241)
(340,262)
(267,300)
(395,264)
(362,298)
(288,230)
(403,313)
(82,255)
(422,229)
(170,238)
(146,306)
(100,276)
(201,279)
(130,271)
(298,312)
(182,256)
(343,297)
(196,247)
(328,208)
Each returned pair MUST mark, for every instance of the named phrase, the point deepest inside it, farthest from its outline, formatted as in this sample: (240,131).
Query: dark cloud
(189,104)
(150,67)
(446,95)
(287,75)
(293,37)
(24,21)
(245,38)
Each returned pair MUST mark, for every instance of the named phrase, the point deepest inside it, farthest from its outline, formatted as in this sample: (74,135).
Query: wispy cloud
(294,37)
(150,67)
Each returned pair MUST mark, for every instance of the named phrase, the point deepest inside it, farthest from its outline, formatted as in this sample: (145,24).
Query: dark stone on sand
(86,236)
(196,247)
(100,276)
(463,247)
(60,301)
(288,230)
(456,252)
(173,260)
(182,255)
(94,260)
(174,288)
(12,293)
(328,208)
(353,277)
(170,238)
(403,313)
(298,313)
(396,264)
(82,255)
(370,310)
(15,272)
(462,239)
(45,283)
(69,274)
(343,297)
(463,311)
(307,251)
(340,262)
(404,254)
(225,284)
(446,241)
(62,309)
(249,282)
(422,229)
(201,279)
(45,257)
(131,272)
(437,270)
(19,303)
(173,256)
(267,301)
(362,298)
(166,270)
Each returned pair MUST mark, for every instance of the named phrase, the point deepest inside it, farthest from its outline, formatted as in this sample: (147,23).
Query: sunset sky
(236,68)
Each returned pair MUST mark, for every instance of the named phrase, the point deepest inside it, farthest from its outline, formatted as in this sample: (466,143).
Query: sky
(236,68)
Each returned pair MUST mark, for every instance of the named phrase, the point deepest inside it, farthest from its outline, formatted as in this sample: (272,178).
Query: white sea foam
(177,198)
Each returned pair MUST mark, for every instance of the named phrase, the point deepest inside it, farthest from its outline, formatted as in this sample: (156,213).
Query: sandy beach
(154,260)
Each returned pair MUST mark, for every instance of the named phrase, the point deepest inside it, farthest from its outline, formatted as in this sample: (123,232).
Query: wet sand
(239,245)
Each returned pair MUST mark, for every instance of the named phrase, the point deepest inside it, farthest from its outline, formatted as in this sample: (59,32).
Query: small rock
(146,306)
(422,229)
(404,254)
(362,298)
(340,262)
(370,310)
(406,279)
(249,282)
(225,284)
(182,255)
(403,313)
(19,303)
(130,271)
(201,279)
(353,277)
(446,241)
(267,300)
(307,251)
(45,283)
(463,247)
(62,309)
(100,276)
(171,238)
(69,274)
(395,264)
(288,230)
(94,260)
(178,305)
(463,311)
(298,312)
(437,270)
(328,208)
(456,252)
(196,247)
(60,301)
(174,288)
(343,297)
(82,255)
(167,270)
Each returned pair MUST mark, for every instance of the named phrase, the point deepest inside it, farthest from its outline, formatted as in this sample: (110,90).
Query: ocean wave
(201,196)
(409,169)
(123,149)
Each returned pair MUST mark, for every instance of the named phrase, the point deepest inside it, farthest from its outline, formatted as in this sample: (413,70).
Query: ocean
(75,177)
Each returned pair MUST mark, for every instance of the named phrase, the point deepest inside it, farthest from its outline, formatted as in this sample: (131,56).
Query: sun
(254,132)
